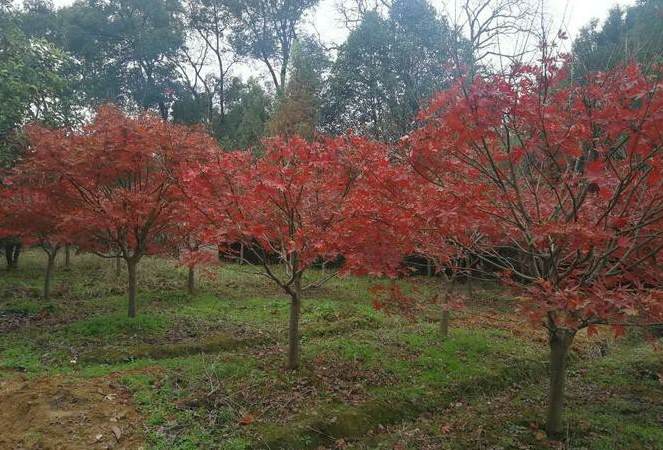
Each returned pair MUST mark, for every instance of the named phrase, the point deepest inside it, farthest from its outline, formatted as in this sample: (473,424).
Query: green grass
(27,307)
(22,357)
(110,326)
(199,365)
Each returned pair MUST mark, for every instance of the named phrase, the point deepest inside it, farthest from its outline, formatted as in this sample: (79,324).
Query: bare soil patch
(74,414)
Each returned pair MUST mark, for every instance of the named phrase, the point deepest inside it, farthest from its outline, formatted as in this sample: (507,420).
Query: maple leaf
(246,419)
(594,170)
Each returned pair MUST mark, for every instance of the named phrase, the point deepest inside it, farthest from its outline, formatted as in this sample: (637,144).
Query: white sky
(568,15)
(573,13)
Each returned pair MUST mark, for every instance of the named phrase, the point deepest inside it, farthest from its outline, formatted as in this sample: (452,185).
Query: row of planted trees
(552,187)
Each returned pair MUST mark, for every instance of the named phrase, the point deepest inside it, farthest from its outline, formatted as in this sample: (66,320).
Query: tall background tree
(386,69)
(37,82)
(297,110)
(491,35)
(123,47)
(267,30)
(631,33)
(248,110)
(206,58)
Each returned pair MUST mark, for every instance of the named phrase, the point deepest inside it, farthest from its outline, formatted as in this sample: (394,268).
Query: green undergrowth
(421,372)
(207,370)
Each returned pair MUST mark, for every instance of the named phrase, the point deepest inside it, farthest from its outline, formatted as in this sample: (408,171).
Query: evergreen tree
(298,108)
(386,69)
(634,33)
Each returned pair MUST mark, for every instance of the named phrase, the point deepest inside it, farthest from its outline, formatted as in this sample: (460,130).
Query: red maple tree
(397,215)
(187,240)
(121,173)
(566,187)
(288,208)
(34,210)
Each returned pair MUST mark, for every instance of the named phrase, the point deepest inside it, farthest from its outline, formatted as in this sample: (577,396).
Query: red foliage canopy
(565,186)
(35,211)
(292,202)
(121,173)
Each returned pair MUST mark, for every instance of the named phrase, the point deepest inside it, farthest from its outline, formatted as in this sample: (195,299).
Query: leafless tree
(498,32)
(353,11)
(266,31)
(208,56)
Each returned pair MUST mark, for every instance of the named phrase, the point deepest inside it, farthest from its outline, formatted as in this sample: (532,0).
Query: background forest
(246,69)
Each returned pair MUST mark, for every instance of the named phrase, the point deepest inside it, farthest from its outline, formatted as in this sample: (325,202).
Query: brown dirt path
(56,413)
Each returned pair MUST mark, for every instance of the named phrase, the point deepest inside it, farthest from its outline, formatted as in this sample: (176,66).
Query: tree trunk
(163,111)
(11,254)
(293,329)
(50,264)
(131,268)
(191,281)
(8,256)
(445,315)
(560,341)
(444,324)
(118,266)
(17,251)
(67,256)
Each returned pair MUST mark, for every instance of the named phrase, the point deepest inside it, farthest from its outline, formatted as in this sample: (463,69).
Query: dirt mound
(72,414)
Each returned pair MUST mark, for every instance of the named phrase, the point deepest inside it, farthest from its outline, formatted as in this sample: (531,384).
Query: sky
(567,15)
(577,13)
(573,14)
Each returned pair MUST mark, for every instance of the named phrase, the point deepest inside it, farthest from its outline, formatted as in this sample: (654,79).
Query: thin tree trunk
(444,322)
(49,273)
(8,256)
(67,256)
(445,315)
(163,111)
(17,252)
(118,266)
(560,341)
(131,268)
(12,251)
(293,329)
(191,281)
(468,277)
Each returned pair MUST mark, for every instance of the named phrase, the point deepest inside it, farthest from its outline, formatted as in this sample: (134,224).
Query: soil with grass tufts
(66,413)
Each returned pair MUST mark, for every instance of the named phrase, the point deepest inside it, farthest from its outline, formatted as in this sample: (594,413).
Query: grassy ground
(206,371)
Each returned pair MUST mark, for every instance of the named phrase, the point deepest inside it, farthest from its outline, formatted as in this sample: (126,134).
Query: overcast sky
(568,15)
(573,13)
